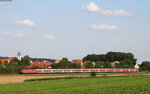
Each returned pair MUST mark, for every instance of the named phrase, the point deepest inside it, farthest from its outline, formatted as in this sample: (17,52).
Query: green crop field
(100,85)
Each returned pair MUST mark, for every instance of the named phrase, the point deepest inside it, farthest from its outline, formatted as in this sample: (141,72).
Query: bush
(93,74)
(145,66)
(10,69)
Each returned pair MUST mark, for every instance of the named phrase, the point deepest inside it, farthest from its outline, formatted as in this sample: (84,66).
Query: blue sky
(75,28)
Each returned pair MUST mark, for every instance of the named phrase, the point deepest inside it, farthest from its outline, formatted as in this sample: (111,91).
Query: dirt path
(19,79)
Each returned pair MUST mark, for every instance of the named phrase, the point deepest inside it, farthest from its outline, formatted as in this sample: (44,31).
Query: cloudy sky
(75,28)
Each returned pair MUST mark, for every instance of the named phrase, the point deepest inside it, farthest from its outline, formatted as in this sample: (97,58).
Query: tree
(93,74)
(64,60)
(0,63)
(127,63)
(97,65)
(25,61)
(6,63)
(145,66)
(94,58)
(107,65)
(54,65)
(10,68)
(130,56)
(89,65)
(126,58)
(74,66)
(63,63)
(35,67)
(15,60)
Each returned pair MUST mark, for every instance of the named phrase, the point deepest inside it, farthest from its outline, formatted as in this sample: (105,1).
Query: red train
(42,71)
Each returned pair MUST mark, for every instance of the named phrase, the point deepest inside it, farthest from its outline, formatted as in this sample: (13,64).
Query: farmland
(4,79)
(103,85)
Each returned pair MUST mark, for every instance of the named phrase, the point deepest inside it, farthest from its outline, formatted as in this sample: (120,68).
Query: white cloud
(19,34)
(92,7)
(6,33)
(105,27)
(48,36)
(25,22)
(13,34)
(116,12)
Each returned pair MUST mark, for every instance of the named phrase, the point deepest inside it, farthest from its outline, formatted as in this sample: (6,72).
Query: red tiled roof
(77,61)
(6,60)
(115,63)
(39,64)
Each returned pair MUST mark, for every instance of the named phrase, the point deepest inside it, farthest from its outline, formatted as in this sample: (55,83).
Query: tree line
(65,64)
(14,66)
(126,60)
(145,66)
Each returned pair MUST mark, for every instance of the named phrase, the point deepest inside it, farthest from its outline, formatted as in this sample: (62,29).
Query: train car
(28,71)
(42,71)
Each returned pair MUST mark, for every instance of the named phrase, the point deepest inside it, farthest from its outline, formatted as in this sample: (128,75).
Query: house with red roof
(78,61)
(6,60)
(40,64)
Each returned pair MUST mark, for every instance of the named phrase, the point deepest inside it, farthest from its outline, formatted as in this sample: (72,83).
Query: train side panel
(76,70)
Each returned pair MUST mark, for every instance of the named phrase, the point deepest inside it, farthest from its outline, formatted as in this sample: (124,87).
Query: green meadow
(94,85)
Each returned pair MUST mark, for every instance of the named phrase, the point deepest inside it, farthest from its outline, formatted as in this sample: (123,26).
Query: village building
(19,56)
(136,66)
(114,64)
(7,60)
(57,61)
(78,61)
(40,64)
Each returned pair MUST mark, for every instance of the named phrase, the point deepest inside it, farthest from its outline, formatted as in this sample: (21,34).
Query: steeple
(19,55)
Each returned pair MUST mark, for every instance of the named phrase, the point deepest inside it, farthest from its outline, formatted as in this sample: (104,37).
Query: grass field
(4,79)
(100,85)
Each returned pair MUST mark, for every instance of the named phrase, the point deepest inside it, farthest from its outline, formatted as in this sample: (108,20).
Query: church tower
(19,55)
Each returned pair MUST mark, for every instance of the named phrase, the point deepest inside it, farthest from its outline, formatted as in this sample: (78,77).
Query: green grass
(104,85)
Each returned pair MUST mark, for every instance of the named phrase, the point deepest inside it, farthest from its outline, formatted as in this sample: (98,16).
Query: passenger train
(47,71)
